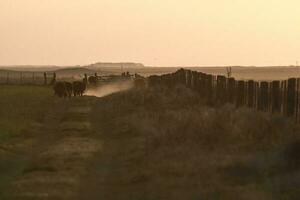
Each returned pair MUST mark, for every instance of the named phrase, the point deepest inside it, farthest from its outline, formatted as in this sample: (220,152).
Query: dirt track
(57,159)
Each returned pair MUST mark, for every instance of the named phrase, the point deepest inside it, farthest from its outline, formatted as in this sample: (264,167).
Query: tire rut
(55,171)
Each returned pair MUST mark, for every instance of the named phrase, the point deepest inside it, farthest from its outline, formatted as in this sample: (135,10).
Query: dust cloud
(110,88)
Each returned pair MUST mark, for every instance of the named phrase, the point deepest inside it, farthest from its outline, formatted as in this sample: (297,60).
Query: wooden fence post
(231,90)
(284,97)
(240,99)
(275,99)
(181,76)
(195,80)
(263,96)
(202,84)
(297,99)
(250,94)
(291,97)
(256,94)
(209,88)
(188,78)
(221,89)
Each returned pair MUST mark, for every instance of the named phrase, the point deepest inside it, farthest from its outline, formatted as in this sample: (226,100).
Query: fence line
(36,78)
(274,97)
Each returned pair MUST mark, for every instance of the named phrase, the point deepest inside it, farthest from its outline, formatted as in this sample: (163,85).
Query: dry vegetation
(158,143)
(22,107)
(22,113)
(167,144)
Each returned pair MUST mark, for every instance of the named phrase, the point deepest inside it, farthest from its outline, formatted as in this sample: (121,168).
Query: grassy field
(22,113)
(156,143)
(167,144)
(22,107)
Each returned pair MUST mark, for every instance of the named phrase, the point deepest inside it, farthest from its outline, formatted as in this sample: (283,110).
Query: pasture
(142,143)
(22,107)
(22,112)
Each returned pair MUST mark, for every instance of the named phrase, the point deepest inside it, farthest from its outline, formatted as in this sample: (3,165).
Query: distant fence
(273,96)
(35,78)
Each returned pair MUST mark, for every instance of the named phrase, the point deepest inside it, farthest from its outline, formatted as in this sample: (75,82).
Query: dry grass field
(167,144)
(23,109)
(152,143)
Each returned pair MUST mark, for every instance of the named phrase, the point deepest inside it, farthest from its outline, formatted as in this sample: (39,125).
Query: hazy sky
(154,32)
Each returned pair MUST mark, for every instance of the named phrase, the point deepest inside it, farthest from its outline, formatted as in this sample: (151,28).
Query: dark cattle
(60,89)
(69,89)
(78,88)
(92,79)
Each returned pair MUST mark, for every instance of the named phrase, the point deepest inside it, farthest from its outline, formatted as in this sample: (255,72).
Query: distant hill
(125,65)
(32,68)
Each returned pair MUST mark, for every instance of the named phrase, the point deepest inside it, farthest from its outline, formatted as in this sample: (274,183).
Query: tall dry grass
(195,151)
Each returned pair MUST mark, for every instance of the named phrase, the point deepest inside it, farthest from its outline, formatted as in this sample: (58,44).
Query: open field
(152,143)
(22,107)
(22,113)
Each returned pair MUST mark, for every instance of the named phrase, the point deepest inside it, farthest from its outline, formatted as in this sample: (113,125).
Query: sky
(153,32)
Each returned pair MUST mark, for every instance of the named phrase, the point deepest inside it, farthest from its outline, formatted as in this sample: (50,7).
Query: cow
(69,89)
(63,89)
(60,89)
(93,80)
(78,88)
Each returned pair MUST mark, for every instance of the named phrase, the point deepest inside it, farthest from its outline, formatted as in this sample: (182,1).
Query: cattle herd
(66,89)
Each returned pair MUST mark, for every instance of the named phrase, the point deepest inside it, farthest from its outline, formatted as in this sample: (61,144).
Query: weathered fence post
(188,78)
(263,96)
(202,84)
(275,96)
(291,97)
(195,80)
(181,76)
(250,93)
(256,94)
(209,88)
(284,97)
(240,99)
(297,99)
(231,90)
(221,89)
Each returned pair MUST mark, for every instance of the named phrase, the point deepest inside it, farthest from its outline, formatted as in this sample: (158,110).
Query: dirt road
(57,157)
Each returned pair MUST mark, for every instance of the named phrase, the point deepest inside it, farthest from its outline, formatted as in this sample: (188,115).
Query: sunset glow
(153,32)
